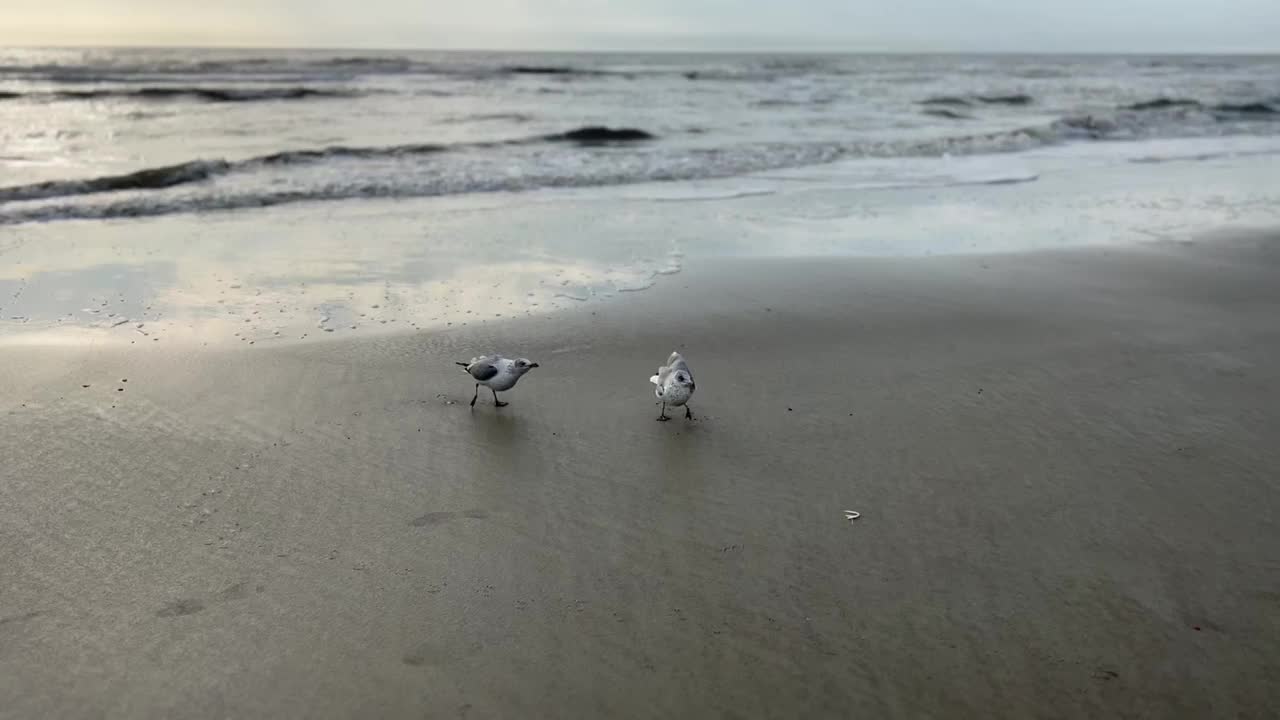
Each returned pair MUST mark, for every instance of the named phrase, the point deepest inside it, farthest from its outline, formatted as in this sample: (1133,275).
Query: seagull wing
(677,362)
(660,379)
(483,368)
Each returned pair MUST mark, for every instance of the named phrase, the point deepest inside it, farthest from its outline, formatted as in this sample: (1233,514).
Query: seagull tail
(655,380)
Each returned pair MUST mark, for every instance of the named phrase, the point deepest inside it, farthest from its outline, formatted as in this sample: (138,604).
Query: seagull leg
(496,401)
(663,416)
(688,414)
(473,397)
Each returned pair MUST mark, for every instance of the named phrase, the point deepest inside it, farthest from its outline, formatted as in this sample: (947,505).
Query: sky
(818,25)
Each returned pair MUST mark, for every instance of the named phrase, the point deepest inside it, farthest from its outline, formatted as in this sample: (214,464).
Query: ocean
(178,164)
(128,133)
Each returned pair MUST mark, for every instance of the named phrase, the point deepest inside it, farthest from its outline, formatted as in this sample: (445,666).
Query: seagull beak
(534,365)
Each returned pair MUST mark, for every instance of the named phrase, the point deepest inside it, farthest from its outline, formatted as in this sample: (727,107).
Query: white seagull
(674,385)
(497,373)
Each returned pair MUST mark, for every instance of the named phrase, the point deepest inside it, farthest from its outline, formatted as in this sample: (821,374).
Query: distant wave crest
(197,92)
(1242,108)
(969,100)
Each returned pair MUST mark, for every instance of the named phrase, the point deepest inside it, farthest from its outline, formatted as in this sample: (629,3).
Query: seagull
(496,373)
(674,385)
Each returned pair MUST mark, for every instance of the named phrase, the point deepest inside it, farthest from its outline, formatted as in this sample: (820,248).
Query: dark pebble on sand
(84,386)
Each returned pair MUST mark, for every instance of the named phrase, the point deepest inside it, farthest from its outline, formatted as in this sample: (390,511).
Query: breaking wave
(159,178)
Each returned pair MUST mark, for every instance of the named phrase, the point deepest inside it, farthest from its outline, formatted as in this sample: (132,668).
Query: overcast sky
(866,25)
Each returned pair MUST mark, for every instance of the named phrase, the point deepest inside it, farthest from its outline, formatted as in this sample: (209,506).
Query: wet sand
(1066,464)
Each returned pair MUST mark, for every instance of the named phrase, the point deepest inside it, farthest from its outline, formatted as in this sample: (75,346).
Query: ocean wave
(160,178)
(947,114)
(1253,108)
(1201,156)
(938,106)
(138,207)
(393,63)
(551,70)
(1016,99)
(488,117)
(168,176)
(1170,117)
(156,178)
(817,101)
(532,162)
(735,75)
(947,100)
(600,135)
(142,206)
(968,100)
(1257,107)
(353,66)
(1164,103)
(456,173)
(289,157)
(248,67)
(200,93)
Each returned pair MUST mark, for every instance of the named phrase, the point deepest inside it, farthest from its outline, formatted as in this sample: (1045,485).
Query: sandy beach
(1065,463)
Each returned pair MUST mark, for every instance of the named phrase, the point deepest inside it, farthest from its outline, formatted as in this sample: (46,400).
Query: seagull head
(524,365)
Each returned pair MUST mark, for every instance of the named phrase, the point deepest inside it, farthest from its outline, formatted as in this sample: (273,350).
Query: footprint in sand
(191,606)
(20,618)
(177,608)
(423,654)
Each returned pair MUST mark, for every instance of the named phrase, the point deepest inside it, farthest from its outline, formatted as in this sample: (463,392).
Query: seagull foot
(663,418)
(499,403)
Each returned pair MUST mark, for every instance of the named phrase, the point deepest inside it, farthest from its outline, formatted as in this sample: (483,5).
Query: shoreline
(301,271)
(1062,458)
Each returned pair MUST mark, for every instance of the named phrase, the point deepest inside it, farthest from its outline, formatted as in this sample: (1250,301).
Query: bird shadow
(495,424)
(500,435)
(680,445)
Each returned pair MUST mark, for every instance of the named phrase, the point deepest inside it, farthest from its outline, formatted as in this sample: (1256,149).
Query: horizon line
(631,50)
